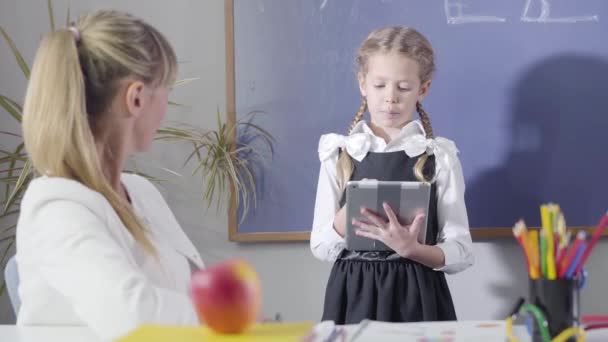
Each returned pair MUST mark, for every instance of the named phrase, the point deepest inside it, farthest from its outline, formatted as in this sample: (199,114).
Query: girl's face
(392,88)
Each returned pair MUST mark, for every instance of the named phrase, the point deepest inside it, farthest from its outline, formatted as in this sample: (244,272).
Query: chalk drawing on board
(324,3)
(545,15)
(454,14)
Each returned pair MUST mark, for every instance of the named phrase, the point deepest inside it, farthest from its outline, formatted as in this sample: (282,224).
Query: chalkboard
(520,87)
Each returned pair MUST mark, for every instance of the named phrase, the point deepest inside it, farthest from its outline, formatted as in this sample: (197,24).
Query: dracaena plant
(231,157)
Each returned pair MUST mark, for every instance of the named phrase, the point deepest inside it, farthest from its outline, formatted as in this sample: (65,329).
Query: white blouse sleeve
(325,243)
(454,235)
(78,257)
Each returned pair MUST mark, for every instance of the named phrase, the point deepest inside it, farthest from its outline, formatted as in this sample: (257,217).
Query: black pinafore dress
(383,286)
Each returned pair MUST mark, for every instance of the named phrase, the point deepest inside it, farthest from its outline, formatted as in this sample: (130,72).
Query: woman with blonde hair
(96,246)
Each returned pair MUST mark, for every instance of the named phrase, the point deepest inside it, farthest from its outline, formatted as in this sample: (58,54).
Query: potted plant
(230,158)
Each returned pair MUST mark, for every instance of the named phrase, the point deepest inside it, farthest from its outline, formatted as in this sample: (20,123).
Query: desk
(11,333)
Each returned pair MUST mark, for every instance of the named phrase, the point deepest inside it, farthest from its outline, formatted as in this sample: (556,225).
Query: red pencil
(594,318)
(580,237)
(555,244)
(596,236)
(561,252)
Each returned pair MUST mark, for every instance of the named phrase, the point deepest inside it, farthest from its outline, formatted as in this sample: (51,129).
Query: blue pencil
(576,260)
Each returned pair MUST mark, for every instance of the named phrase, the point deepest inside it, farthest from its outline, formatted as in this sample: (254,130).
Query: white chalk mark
(545,15)
(455,14)
(323,4)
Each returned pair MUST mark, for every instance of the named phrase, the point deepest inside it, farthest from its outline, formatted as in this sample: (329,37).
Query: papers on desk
(464,331)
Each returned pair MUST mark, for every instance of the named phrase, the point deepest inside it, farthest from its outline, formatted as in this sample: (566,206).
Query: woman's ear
(134,98)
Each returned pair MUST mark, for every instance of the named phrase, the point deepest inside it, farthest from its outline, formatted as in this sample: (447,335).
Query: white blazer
(78,264)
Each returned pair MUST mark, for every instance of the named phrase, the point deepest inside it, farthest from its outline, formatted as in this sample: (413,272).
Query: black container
(559,301)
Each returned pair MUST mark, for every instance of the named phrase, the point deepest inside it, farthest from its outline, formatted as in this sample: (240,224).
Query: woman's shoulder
(56,200)
(136,182)
(142,188)
(46,189)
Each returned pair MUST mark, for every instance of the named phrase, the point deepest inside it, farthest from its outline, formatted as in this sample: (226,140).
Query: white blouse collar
(412,140)
(413,127)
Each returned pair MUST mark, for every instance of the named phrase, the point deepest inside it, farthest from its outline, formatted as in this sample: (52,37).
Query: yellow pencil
(545,216)
(534,265)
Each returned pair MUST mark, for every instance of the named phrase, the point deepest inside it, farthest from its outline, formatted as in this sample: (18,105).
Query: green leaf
(12,157)
(247,189)
(51,16)
(13,103)
(195,152)
(7,214)
(67,17)
(7,238)
(6,250)
(11,134)
(10,170)
(184,81)
(9,107)
(171,103)
(8,229)
(17,154)
(10,180)
(18,56)
(221,163)
(9,175)
(20,182)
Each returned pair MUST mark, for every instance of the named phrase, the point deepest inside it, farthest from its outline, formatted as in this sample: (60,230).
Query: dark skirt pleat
(388,290)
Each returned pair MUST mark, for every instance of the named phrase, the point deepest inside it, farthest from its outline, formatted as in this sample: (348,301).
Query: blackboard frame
(478,234)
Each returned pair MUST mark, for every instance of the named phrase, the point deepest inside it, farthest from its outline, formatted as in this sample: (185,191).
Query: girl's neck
(386,133)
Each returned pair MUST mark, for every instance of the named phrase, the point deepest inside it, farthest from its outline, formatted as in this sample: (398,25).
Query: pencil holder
(559,303)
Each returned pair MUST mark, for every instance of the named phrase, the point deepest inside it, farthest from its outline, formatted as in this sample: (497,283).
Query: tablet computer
(407,199)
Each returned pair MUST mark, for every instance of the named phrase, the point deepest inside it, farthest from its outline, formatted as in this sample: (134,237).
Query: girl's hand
(401,239)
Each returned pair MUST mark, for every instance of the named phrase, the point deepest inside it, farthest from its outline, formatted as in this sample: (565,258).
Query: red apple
(227,296)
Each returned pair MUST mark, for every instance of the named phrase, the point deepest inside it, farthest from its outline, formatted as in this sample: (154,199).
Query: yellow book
(545,217)
(260,332)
